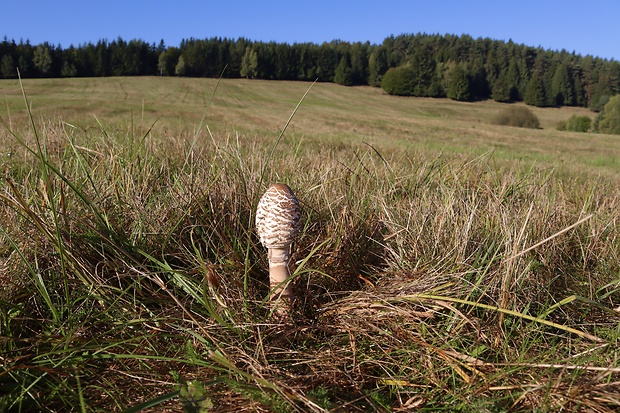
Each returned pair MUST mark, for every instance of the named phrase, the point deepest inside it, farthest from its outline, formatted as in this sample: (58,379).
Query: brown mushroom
(277,224)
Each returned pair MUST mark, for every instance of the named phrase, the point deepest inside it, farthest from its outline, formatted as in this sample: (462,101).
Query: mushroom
(277,225)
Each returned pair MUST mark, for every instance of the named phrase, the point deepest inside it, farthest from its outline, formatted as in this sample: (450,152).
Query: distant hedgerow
(519,116)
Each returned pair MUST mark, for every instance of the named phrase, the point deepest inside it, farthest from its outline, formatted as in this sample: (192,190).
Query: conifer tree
(502,89)
(377,66)
(7,67)
(478,81)
(562,87)
(535,92)
(513,79)
(358,57)
(424,69)
(343,75)
(460,85)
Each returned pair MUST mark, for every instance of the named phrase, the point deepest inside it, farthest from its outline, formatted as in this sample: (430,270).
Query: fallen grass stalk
(474,362)
(561,366)
(557,234)
(430,297)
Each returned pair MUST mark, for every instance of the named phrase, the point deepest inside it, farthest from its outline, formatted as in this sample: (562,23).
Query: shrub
(398,81)
(608,120)
(519,116)
(578,123)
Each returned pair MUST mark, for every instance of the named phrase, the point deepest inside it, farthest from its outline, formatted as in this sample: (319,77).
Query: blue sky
(591,27)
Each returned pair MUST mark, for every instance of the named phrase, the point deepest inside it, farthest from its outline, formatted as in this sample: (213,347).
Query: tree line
(458,67)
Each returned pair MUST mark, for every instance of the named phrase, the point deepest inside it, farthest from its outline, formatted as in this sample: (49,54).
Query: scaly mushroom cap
(277,217)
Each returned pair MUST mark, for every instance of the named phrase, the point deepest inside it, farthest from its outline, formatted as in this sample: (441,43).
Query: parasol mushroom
(277,225)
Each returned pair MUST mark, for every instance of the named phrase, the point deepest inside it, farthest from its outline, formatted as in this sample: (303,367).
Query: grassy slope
(129,258)
(331,113)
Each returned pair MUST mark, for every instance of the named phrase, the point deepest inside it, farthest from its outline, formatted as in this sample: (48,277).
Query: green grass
(445,263)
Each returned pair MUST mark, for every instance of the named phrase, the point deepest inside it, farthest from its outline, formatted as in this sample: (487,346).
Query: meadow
(444,263)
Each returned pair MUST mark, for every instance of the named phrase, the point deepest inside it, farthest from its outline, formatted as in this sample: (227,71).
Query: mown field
(330,114)
(444,263)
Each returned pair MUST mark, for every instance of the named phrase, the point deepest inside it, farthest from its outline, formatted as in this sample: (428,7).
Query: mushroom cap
(278,217)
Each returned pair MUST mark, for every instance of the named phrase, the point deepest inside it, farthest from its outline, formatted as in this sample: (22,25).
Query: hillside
(330,113)
(443,263)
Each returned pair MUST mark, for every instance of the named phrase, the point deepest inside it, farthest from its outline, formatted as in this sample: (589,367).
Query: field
(444,263)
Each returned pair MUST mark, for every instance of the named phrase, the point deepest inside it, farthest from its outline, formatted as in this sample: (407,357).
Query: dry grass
(131,270)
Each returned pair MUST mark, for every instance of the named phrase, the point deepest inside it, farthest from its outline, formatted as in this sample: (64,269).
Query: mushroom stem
(279,273)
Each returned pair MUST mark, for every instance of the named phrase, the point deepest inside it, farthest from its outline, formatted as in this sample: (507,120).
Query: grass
(444,264)
(333,114)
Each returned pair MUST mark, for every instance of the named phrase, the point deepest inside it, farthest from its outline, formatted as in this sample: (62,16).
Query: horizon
(547,25)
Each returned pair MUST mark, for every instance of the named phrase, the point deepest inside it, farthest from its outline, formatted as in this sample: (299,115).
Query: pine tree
(285,63)
(327,60)
(562,89)
(358,57)
(424,68)
(377,66)
(513,80)
(344,73)
(460,85)
(7,67)
(479,84)
(535,92)
(502,89)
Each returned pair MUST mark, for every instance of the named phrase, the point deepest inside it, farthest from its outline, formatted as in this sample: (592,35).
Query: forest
(458,67)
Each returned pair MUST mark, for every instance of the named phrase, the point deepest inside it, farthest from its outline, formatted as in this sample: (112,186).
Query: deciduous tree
(608,120)
(399,81)
(42,59)
(180,69)
(249,63)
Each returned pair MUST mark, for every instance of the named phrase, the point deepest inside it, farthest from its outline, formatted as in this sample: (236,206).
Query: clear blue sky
(586,27)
